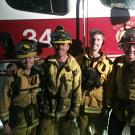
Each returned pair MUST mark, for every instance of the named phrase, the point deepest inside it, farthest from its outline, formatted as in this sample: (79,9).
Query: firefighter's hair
(97,31)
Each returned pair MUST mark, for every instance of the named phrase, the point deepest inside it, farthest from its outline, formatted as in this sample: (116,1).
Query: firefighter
(63,88)
(121,91)
(18,97)
(96,68)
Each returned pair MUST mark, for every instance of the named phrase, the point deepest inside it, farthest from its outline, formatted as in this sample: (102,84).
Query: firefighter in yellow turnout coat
(63,88)
(121,90)
(18,99)
(96,67)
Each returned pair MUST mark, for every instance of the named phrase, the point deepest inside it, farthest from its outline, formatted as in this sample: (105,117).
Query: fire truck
(36,19)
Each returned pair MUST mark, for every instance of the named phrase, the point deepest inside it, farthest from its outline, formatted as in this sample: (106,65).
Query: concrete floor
(125,132)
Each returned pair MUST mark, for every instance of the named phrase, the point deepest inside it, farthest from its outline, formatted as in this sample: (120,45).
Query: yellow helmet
(60,36)
(26,48)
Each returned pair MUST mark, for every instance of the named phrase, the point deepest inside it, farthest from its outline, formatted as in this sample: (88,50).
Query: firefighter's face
(28,62)
(129,51)
(96,42)
(61,49)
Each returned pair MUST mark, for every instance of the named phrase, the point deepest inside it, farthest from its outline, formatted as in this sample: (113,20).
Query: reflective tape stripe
(5,116)
(91,110)
(30,54)
(34,124)
(61,41)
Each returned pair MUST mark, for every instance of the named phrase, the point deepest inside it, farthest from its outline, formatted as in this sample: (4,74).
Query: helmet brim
(62,42)
(23,56)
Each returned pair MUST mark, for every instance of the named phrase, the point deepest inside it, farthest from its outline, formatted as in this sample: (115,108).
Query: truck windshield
(59,7)
(128,4)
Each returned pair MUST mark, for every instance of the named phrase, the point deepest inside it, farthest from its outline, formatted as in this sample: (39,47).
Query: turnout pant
(116,126)
(92,124)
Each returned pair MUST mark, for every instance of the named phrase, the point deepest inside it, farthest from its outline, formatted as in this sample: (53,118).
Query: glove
(43,104)
(105,112)
(105,116)
(73,121)
(90,79)
(70,117)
